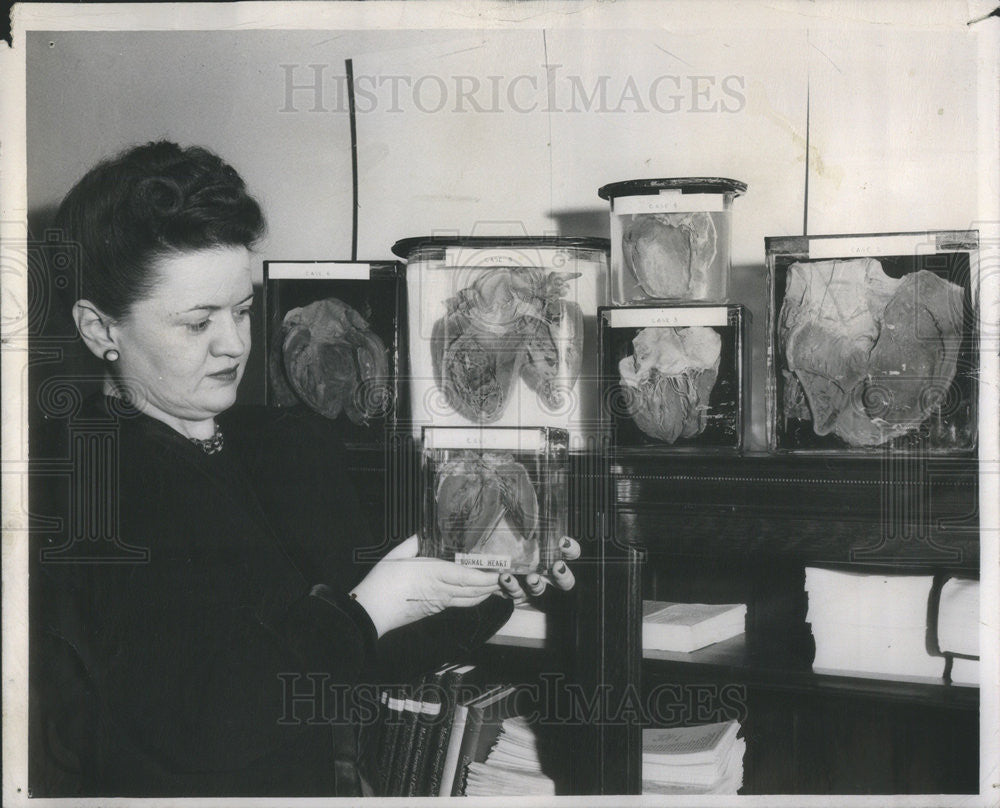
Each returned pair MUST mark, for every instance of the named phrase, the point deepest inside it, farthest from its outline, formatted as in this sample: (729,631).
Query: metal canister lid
(686,185)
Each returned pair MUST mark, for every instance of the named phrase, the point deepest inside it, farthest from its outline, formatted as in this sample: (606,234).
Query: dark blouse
(186,651)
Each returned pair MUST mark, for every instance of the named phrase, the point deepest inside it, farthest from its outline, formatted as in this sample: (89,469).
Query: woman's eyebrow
(214,307)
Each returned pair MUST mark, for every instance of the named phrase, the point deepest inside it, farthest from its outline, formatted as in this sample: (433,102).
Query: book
(958,617)
(454,682)
(459,720)
(388,737)
(686,627)
(482,726)
(404,742)
(526,627)
(427,720)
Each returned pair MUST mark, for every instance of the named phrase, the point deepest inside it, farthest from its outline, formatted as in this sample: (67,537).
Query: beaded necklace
(212,445)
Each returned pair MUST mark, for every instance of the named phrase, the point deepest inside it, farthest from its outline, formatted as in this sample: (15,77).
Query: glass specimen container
(333,341)
(675,378)
(671,238)
(503,331)
(494,497)
(873,343)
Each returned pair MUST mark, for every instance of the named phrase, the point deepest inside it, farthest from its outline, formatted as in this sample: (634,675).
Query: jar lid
(686,185)
(405,246)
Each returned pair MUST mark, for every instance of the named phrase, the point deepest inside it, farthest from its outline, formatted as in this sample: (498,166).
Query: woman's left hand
(534,584)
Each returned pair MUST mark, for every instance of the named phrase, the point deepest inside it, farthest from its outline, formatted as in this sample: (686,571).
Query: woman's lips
(228,375)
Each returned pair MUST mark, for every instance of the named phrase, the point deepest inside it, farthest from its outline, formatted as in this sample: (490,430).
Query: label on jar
(318,270)
(667,317)
(862,246)
(668,202)
(509,439)
(466,257)
(483,561)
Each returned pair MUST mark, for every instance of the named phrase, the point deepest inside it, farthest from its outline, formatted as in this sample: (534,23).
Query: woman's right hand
(402,588)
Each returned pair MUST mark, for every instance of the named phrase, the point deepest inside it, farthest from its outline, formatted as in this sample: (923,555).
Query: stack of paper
(958,627)
(871,625)
(512,768)
(686,627)
(706,759)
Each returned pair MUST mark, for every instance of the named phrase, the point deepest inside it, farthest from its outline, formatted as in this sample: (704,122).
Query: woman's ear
(94,326)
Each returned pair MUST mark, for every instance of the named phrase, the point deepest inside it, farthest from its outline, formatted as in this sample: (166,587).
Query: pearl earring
(111,355)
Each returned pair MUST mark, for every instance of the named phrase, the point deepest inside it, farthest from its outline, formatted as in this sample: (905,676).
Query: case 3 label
(668,317)
(318,270)
(874,246)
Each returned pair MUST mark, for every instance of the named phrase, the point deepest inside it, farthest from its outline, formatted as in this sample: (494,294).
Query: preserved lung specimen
(508,322)
(670,253)
(485,504)
(334,361)
(868,357)
(668,380)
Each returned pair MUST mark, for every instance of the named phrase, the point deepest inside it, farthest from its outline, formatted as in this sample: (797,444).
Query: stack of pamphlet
(958,628)
(705,759)
(870,624)
(512,767)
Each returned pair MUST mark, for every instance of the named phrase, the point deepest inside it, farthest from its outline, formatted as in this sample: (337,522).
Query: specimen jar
(494,497)
(503,331)
(671,238)
(333,341)
(675,378)
(873,343)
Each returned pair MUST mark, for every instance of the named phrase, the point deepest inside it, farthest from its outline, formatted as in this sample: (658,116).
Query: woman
(179,668)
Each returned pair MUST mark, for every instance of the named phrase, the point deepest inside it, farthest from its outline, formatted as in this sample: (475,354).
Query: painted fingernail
(560,568)
(565,543)
(506,579)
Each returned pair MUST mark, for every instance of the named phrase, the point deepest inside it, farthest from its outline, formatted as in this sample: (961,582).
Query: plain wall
(891,112)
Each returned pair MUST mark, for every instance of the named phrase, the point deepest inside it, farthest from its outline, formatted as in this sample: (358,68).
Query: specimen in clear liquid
(668,380)
(867,357)
(334,361)
(670,253)
(485,504)
(508,322)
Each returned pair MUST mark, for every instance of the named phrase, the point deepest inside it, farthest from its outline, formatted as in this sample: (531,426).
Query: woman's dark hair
(147,203)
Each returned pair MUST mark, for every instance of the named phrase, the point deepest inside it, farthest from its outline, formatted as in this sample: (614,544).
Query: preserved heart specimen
(868,357)
(334,361)
(669,378)
(553,351)
(670,253)
(508,322)
(485,504)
